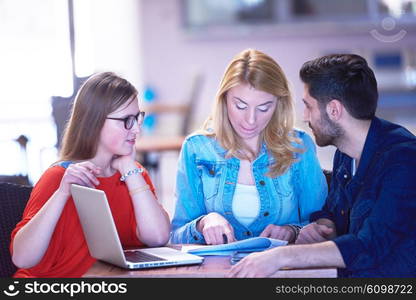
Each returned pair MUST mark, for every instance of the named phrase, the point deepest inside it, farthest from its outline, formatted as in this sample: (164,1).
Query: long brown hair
(264,74)
(99,96)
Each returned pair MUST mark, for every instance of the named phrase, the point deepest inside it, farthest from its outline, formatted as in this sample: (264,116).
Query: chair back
(13,199)
(184,108)
(193,98)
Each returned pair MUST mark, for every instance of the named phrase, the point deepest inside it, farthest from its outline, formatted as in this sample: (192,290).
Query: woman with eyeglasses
(97,152)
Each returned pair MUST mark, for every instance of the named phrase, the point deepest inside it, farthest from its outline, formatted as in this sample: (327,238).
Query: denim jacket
(206,182)
(375,210)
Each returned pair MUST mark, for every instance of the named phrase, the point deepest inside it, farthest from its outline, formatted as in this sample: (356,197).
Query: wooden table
(212,267)
(146,145)
(159,143)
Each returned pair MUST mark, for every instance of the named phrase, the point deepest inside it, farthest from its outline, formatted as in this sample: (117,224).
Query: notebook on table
(236,250)
(247,246)
(104,243)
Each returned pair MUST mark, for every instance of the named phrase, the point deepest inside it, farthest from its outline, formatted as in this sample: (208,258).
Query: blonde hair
(99,96)
(262,73)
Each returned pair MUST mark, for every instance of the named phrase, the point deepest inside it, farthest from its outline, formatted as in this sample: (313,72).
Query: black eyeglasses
(129,120)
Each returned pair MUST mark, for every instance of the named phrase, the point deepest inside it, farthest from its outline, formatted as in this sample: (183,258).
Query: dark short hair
(345,77)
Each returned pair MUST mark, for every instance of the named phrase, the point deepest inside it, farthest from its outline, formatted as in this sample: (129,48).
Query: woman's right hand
(315,233)
(83,173)
(214,227)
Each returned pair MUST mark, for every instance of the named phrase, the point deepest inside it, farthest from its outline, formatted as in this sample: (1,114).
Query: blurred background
(175,53)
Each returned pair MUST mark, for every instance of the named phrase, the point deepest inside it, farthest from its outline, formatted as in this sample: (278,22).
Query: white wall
(116,38)
(170,56)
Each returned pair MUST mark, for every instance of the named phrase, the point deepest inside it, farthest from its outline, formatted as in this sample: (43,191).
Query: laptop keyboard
(139,256)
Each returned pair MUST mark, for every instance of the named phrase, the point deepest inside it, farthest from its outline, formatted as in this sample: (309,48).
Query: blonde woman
(248,172)
(98,152)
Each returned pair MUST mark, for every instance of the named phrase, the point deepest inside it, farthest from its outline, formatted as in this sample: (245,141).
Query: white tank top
(246,203)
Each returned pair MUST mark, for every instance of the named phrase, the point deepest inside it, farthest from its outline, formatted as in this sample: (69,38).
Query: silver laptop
(104,243)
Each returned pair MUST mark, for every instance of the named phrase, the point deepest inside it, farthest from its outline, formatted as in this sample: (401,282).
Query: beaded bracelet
(139,189)
(131,172)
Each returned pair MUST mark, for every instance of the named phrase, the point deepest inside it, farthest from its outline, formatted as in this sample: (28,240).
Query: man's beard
(327,132)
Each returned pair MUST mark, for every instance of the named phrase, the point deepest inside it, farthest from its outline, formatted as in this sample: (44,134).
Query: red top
(67,254)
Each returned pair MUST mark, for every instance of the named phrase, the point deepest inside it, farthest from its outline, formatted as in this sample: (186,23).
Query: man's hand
(258,264)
